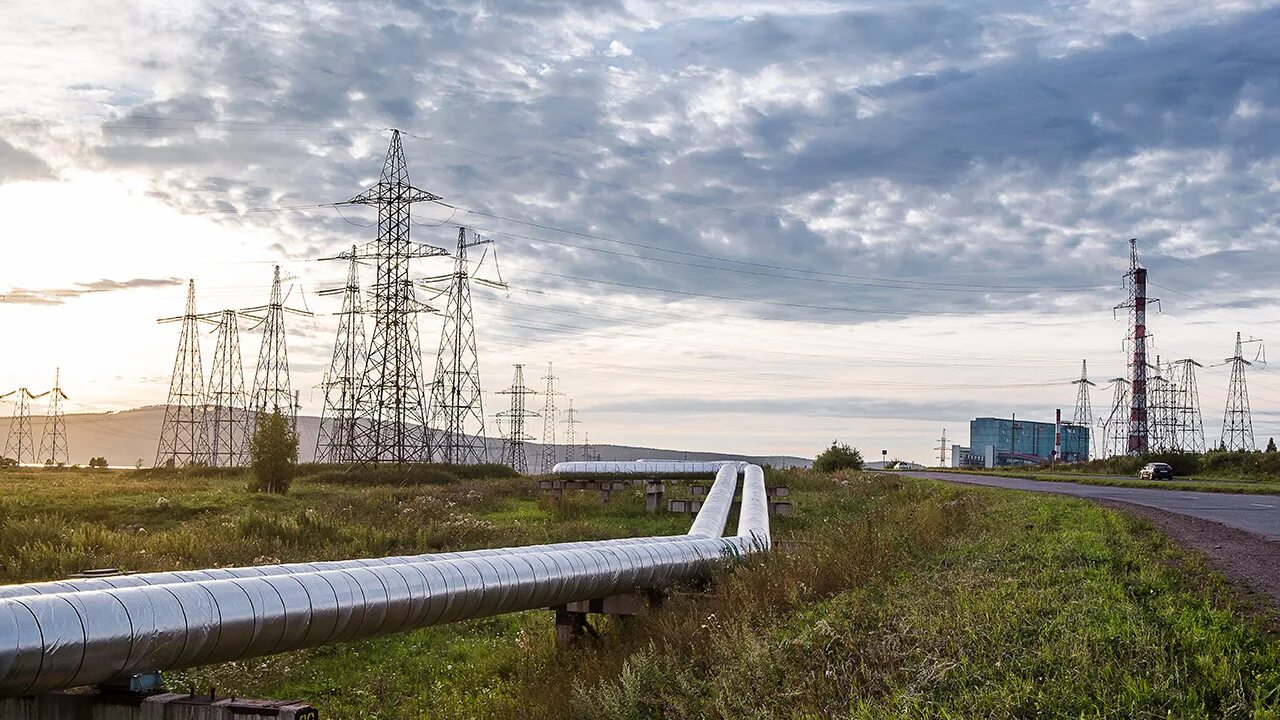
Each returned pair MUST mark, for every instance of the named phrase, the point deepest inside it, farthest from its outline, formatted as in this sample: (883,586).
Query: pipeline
(725,475)
(643,467)
(88,636)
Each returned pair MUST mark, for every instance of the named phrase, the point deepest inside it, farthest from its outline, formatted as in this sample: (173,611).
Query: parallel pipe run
(643,467)
(709,522)
(68,639)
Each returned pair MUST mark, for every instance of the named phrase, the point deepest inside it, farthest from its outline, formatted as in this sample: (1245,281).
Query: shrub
(274,453)
(838,457)
(8,462)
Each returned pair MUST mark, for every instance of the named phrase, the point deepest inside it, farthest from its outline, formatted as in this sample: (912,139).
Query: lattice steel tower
(272,390)
(182,439)
(570,420)
(53,443)
(514,439)
(226,417)
(1237,423)
(457,405)
(20,444)
(390,403)
(1136,282)
(1190,421)
(549,421)
(336,442)
(1084,410)
(1116,427)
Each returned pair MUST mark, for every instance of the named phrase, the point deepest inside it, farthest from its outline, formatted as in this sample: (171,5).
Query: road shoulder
(1251,563)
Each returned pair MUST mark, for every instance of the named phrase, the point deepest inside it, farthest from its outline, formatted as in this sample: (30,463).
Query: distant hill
(131,435)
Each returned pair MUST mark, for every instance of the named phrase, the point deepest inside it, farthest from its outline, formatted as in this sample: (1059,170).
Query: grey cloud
(16,164)
(58,296)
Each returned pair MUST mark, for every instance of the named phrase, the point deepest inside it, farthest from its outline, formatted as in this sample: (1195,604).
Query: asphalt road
(1259,514)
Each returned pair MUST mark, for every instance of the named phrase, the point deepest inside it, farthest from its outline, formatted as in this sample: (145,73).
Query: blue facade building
(999,441)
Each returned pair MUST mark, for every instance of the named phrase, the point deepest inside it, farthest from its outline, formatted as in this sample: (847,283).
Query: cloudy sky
(745,227)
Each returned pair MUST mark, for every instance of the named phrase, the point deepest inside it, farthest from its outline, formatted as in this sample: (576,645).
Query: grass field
(898,598)
(1194,483)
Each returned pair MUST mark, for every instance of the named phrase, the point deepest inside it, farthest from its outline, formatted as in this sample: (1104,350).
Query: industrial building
(996,442)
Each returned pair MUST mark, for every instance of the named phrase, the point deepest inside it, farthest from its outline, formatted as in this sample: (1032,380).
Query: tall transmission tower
(1115,429)
(457,405)
(1083,416)
(226,416)
(549,421)
(514,439)
(1136,281)
(390,403)
(53,444)
(20,444)
(1190,422)
(336,442)
(182,438)
(942,449)
(272,391)
(570,420)
(1237,422)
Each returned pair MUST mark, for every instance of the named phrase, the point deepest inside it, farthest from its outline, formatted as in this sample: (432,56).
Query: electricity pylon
(942,449)
(1190,421)
(390,404)
(549,421)
(457,404)
(53,444)
(514,439)
(20,445)
(570,420)
(1115,429)
(226,415)
(1083,416)
(336,442)
(272,391)
(1136,282)
(1157,408)
(182,439)
(1237,422)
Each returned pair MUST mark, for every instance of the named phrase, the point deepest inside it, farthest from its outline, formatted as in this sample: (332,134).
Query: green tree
(838,457)
(274,453)
(1271,444)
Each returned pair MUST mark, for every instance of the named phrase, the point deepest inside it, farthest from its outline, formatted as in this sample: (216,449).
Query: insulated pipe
(64,640)
(642,467)
(709,522)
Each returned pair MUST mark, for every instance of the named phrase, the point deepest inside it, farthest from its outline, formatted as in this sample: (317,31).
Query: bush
(8,462)
(274,454)
(838,457)
(97,462)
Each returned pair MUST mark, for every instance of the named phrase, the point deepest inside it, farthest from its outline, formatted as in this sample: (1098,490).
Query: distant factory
(1000,442)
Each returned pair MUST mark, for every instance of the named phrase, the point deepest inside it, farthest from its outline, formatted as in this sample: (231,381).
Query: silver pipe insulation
(711,516)
(642,467)
(59,640)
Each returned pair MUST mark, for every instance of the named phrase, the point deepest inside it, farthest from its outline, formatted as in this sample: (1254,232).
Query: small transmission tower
(182,438)
(570,420)
(549,421)
(1237,423)
(337,440)
(226,417)
(1115,429)
(272,391)
(53,444)
(1190,422)
(390,403)
(942,449)
(20,444)
(515,437)
(457,406)
(1083,416)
